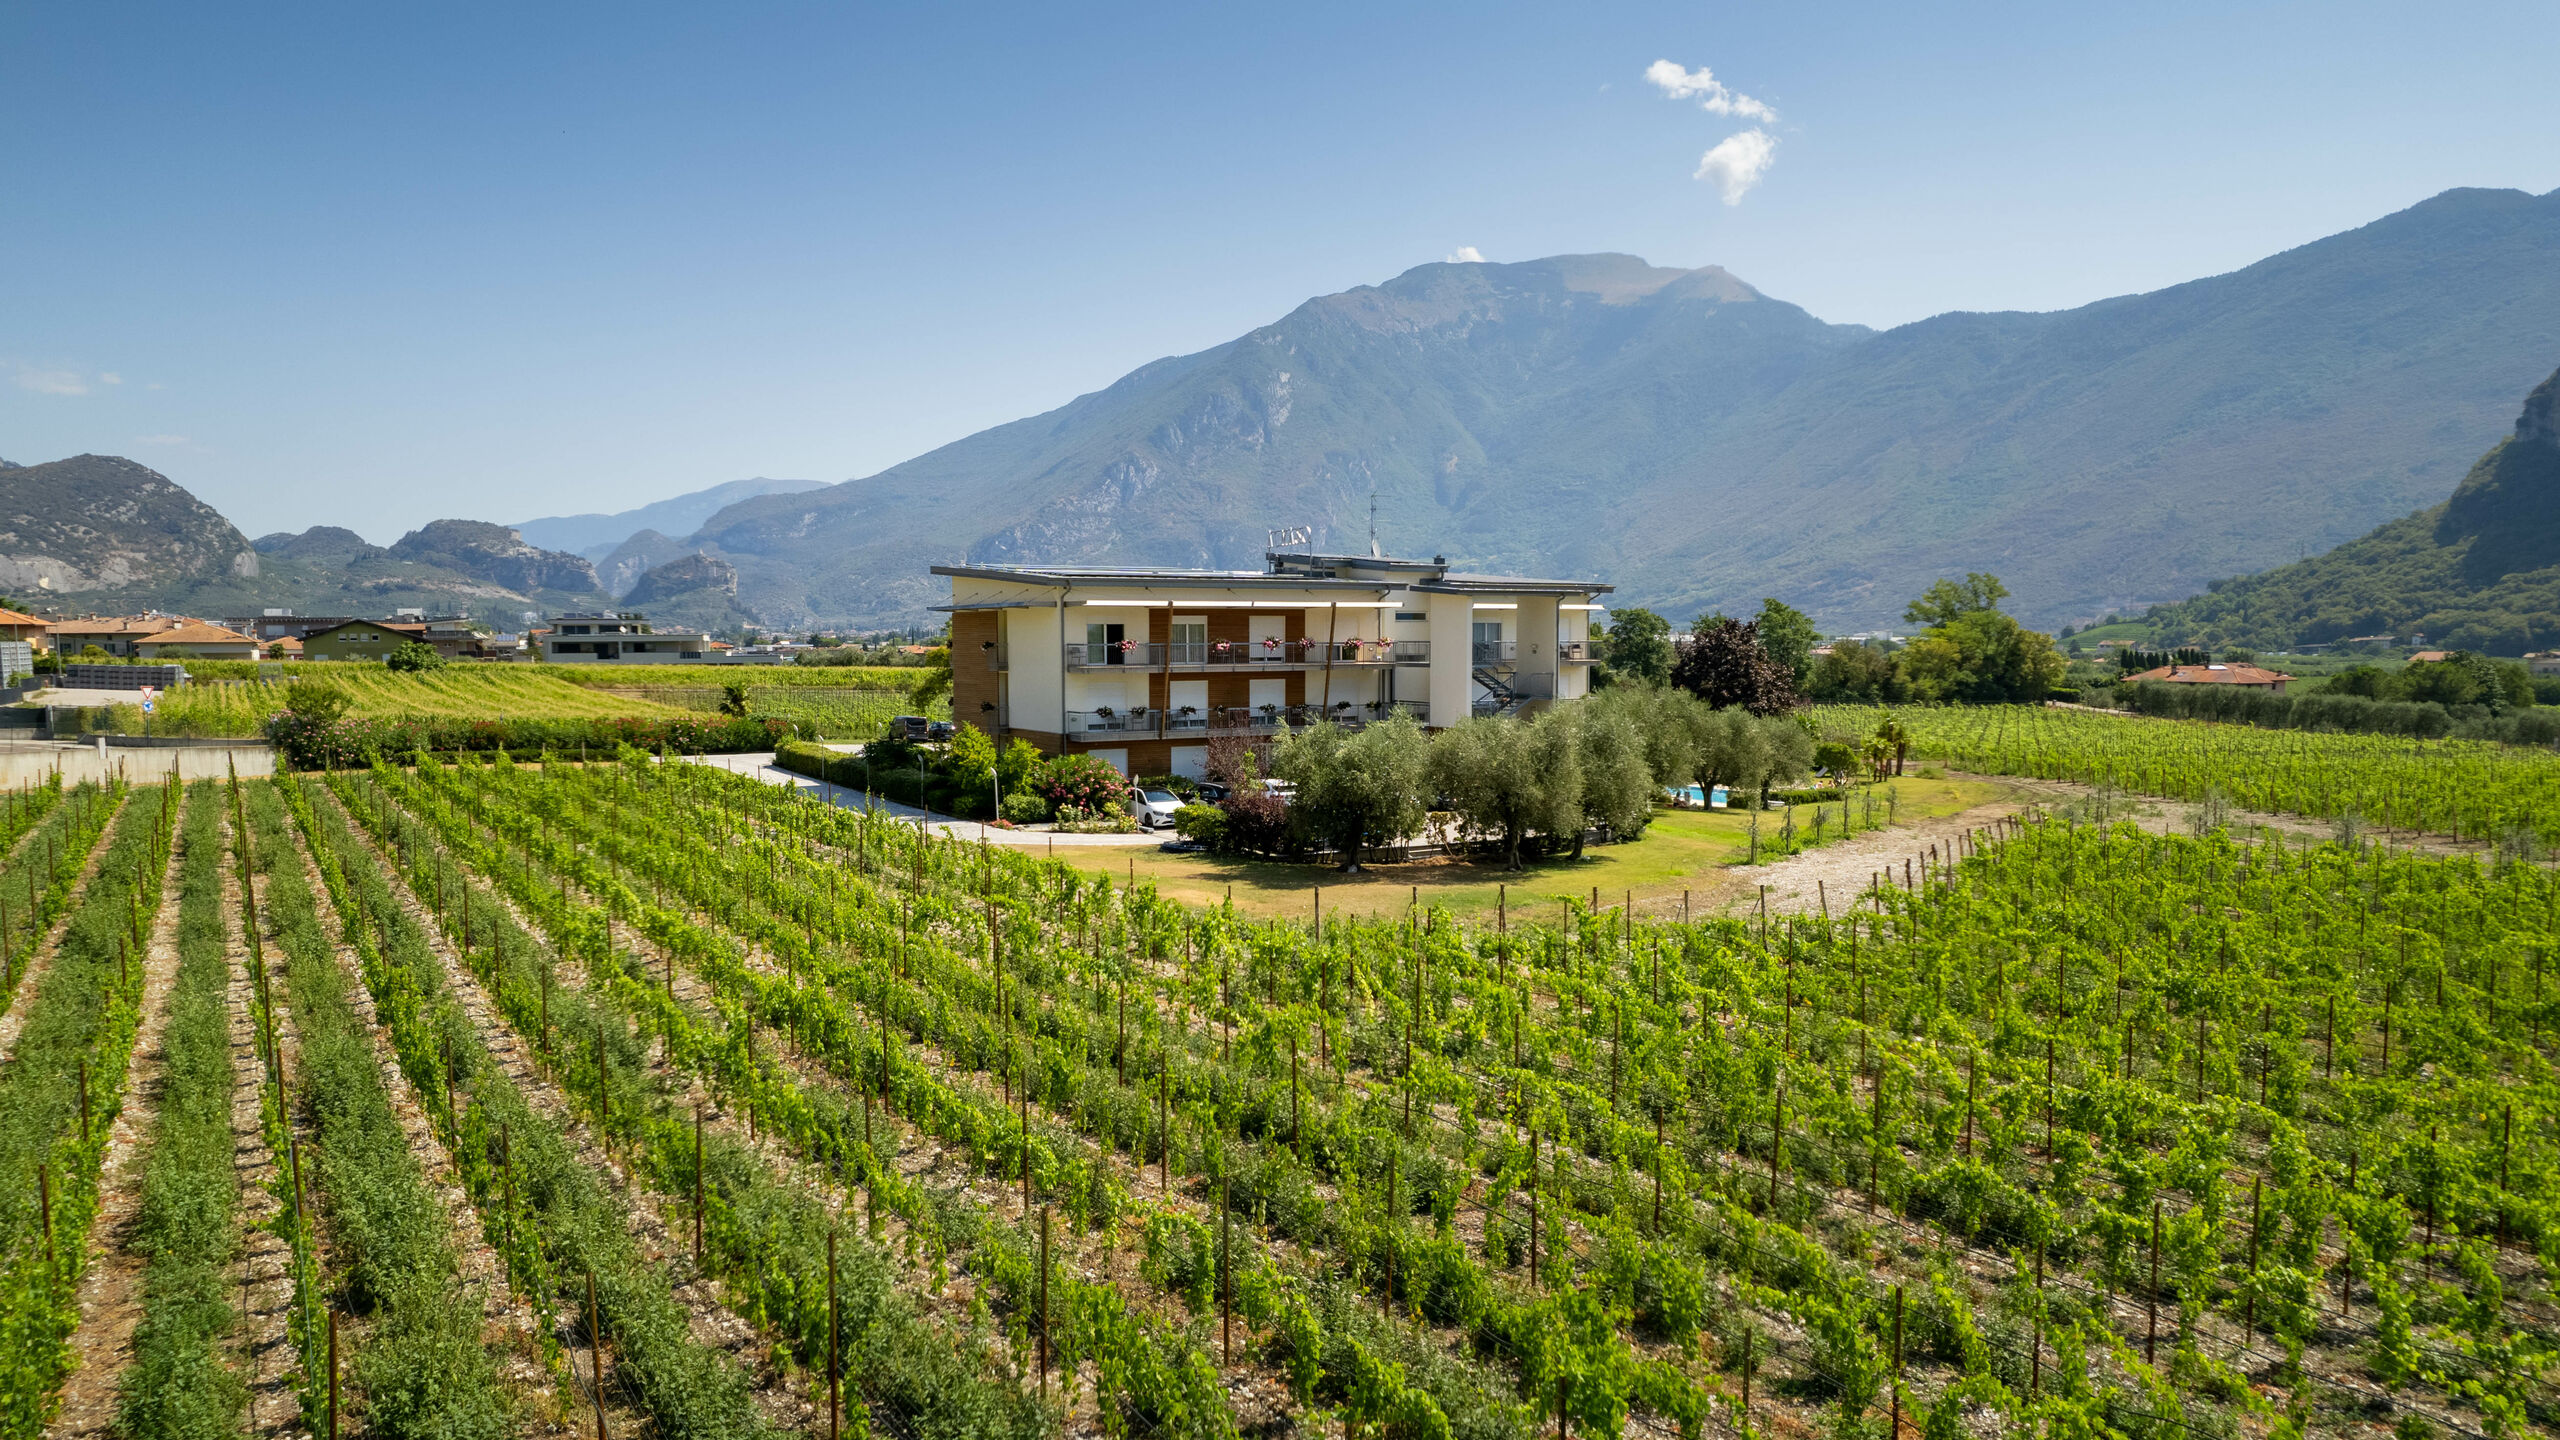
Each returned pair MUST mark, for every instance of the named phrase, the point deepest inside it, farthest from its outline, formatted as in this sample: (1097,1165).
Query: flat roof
(1068,576)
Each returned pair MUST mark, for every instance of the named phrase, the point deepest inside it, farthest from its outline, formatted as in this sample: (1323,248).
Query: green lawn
(1697,851)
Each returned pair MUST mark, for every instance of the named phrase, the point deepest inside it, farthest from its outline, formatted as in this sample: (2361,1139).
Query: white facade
(622,639)
(1163,660)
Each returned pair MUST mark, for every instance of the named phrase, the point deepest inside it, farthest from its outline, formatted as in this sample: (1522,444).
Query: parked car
(914,727)
(940,730)
(1211,792)
(1155,808)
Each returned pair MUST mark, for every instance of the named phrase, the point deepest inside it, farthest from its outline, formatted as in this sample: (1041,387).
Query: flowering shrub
(1081,782)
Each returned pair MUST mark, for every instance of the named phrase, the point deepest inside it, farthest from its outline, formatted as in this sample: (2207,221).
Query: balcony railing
(1214,654)
(1496,652)
(1581,650)
(1187,722)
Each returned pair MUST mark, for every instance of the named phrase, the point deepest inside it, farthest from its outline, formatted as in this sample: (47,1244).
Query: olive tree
(1355,789)
(1743,751)
(1618,786)
(1511,778)
(1672,725)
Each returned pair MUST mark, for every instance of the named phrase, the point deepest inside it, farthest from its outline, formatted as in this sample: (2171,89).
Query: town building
(285,625)
(2243,676)
(2542,662)
(1143,666)
(112,635)
(359,640)
(621,638)
(35,632)
(195,640)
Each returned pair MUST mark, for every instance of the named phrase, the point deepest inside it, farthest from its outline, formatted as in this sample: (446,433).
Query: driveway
(759,765)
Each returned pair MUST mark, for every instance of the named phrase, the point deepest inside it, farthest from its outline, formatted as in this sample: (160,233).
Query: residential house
(2542,662)
(2429,657)
(359,640)
(113,635)
(2243,676)
(1143,666)
(452,639)
(35,632)
(285,625)
(195,640)
(621,638)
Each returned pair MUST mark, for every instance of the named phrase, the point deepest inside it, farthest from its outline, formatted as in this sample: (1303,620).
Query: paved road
(759,765)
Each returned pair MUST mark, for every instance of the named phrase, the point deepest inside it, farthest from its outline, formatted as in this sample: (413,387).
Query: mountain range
(597,536)
(1678,433)
(2480,571)
(1701,444)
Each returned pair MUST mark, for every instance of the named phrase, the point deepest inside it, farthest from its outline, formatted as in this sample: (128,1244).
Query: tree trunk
(1511,847)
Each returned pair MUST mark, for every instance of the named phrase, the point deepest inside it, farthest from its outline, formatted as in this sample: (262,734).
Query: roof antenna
(1374,552)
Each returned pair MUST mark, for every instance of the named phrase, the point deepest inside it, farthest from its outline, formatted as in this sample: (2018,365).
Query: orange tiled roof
(194,632)
(2213,675)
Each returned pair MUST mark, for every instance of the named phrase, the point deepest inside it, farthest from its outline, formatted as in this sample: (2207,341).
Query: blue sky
(374,265)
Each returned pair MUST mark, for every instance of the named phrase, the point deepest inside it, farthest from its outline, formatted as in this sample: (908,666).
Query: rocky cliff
(102,522)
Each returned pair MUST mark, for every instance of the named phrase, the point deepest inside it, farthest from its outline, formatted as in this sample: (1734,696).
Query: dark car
(940,730)
(1210,791)
(914,727)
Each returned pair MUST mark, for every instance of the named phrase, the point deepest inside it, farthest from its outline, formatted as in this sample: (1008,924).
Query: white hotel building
(1144,666)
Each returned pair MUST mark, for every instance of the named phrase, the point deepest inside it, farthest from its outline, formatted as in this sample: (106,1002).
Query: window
(1413,615)
(1190,640)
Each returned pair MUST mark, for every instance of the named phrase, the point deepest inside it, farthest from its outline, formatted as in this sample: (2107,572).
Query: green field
(1692,851)
(854,702)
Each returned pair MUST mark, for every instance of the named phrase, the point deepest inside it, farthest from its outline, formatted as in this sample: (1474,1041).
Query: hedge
(2356,714)
(356,742)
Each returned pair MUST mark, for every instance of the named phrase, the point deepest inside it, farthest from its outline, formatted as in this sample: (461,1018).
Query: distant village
(150,641)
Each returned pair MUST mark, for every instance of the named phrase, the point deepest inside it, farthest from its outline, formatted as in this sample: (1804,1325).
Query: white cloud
(109,377)
(1711,94)
(162,440)
(1466,255)
(52,382)
(1738,162)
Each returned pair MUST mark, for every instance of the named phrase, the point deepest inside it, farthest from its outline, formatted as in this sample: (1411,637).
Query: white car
(1155,809)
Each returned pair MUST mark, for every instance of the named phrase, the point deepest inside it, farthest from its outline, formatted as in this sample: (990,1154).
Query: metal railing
(1496,652)
(1577,650)
(1505,695)
(1184,721)
(1211,654)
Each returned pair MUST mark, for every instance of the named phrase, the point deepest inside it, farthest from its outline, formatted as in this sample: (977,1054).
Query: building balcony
(1245,654)
(1580,652)
(1496,652)
(1186,723)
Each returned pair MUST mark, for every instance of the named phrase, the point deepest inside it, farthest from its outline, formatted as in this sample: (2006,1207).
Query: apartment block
(1143,666)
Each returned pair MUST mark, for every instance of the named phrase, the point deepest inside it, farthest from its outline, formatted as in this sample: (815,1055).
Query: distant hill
(2480,571)
(1702,444)
(622,567)
(102,522)
(327,544)
(693,589)
(595,535)
(104,533)
(496,555)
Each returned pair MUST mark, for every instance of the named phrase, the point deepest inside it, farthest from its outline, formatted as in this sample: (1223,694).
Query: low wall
(30,762)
